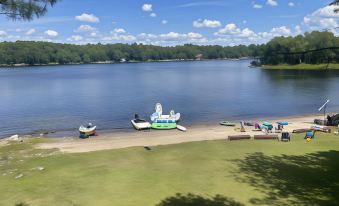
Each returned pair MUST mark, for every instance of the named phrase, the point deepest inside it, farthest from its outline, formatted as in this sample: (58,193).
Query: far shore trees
(311,48)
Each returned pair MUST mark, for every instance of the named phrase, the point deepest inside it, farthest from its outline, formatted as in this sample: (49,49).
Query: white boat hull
(181,128)
(141,125)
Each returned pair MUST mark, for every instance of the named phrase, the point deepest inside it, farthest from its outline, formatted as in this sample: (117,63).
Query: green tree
(25,9)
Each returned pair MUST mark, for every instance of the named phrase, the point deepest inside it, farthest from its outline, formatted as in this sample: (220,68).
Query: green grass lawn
(210,173)
(301,66)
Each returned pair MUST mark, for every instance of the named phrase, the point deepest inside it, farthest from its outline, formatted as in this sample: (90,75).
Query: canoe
(140,124)
(164,126)
(181,128)
(227,123)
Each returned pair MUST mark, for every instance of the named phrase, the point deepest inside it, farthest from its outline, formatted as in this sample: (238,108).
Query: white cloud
(93,34)
(229,29)
(297,30)
(247,33)
(119,38)
(119,30)
(281,31)
(30,32)
(323,18)
(193,35)
(291,4)
(171,38)
(87,18)
(75,38)
(147,7)
(51,33)
(85,28)
(231,34)
(164,22)
(180,36)
(153,14)
(272,2)
(3,33)
(206,23)
(257,6)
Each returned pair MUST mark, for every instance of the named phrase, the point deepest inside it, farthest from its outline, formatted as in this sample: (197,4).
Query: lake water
(63,97)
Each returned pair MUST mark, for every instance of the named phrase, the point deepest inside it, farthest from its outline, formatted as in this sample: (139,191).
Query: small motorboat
(140,124)
(88,131)
(227,123)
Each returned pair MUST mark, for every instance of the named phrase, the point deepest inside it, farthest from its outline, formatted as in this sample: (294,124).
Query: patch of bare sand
(154,138)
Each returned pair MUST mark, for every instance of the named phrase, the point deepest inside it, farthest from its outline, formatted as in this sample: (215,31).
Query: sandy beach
(155,138)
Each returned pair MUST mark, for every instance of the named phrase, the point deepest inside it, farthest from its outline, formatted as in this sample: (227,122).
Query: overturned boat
(140,124)
(88,131)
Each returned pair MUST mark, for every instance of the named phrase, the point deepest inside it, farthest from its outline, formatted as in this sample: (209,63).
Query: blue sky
(172,22)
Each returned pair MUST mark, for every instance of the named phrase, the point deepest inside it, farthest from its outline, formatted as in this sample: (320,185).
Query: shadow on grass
(196,200)
(311,179)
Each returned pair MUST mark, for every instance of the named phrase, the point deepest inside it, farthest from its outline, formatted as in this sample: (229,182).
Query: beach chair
(278,129)
(285,137)
(257,126)
(242,127)
(310,134)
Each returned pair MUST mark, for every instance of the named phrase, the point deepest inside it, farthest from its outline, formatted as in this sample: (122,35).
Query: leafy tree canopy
(25,9)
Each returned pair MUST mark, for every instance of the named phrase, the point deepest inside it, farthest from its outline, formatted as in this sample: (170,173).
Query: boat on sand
(88,131)
(164,122)
(140,124)
(227,123)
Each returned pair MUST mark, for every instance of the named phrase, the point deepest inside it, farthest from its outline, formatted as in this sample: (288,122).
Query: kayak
(181,128)
(227,123)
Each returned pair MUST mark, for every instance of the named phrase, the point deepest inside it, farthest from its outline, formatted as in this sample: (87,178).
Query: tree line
(290,50)
(311,48)
(32,53)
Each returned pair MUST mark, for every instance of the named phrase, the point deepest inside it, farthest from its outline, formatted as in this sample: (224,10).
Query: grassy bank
(302,66)
(212,172)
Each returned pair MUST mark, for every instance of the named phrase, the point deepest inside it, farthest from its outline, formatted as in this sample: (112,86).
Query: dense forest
(44,52)
(291,50)
(310,48)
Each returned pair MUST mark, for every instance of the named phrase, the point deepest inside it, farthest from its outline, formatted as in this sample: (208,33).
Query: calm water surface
(63,97)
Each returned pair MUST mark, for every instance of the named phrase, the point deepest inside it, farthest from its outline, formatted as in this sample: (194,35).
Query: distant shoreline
(115,62)
(301,67)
